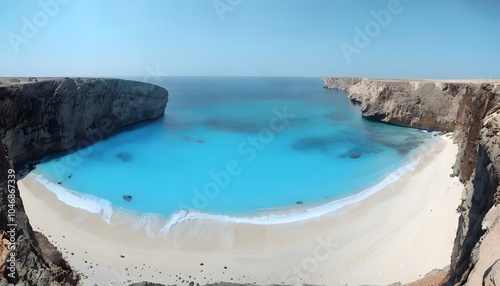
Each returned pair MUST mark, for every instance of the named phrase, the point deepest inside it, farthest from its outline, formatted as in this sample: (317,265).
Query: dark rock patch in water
(176,123)
(355,155)
(190,139)
(233,126)
(128,198)
(308,144)
(402,143)
(124,156)
(338,116)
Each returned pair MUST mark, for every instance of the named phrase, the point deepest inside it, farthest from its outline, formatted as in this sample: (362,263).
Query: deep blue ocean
(237,147)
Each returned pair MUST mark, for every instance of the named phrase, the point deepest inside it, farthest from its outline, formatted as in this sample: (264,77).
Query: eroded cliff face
(477,245)
(52,115)
(42,116)
(342,83)
(472,110)
(23,259)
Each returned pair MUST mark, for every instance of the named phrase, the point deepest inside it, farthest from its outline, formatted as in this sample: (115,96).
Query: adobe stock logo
(323,251)
(31,26)
(372,29)
(223,6)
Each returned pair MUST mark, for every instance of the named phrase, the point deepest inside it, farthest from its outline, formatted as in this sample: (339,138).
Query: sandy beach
(398,234)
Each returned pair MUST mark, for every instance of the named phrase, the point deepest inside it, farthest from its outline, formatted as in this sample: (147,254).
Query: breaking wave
(157,225)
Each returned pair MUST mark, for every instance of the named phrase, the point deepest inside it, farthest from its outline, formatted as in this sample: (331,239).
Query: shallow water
(235,146)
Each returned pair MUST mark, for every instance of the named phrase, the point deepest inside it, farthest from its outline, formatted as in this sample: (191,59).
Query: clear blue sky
(425,39)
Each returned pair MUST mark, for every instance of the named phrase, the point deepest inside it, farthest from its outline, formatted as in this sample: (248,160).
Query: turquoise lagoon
(260,150)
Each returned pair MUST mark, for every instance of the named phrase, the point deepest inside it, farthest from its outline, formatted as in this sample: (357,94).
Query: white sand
(399,234)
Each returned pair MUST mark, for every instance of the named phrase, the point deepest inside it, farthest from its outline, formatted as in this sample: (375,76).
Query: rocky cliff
(42,116)
(342,83)
(472,110)
(26,256)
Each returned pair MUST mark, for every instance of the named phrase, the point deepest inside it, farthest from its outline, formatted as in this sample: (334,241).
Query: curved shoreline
(358,245)
(156,225)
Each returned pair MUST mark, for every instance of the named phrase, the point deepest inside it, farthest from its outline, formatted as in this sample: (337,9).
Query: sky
(369,38)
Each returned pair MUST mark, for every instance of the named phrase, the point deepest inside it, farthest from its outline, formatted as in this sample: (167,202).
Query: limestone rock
(457,106)
(492,218)
(492,277)
(471,109)
(53,115)
(485,253)
(144,283)
(45,115)
(342,83)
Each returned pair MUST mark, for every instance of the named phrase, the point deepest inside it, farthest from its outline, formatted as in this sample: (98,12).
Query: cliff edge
(26,256)
(42,116)
(471,109)
(39,116)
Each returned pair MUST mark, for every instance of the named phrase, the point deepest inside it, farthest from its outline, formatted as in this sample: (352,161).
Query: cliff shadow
(23,168)
(483,186)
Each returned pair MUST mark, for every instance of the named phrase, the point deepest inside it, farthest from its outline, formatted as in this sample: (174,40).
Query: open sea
(246,149)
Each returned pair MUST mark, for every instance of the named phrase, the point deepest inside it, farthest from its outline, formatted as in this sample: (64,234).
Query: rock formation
(35,260)
(42,116)
(472,110)
(342,83)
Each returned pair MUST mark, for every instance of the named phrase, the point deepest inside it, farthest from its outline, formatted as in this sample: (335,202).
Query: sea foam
(322,155)
(157,225)
(75,199)
(292,216)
